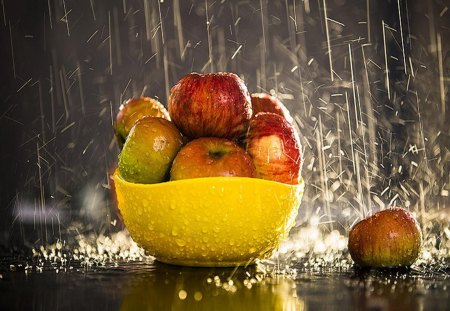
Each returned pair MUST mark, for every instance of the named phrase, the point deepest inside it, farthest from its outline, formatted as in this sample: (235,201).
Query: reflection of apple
(389,238)
(399,291)
(133,110)
(149,150)
(211,157)
(263,102)
(275,148)
(216,104)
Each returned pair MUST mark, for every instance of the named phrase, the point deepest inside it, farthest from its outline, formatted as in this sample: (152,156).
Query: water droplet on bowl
(180,242)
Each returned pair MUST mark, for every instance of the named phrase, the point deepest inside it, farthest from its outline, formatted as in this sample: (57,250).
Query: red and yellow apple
(210,105)
(149,150)
(275,148)
(211,157)
(389,238)
(263,102)
(133,110)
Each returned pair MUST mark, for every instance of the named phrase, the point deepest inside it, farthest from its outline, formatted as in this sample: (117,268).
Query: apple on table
(389,238)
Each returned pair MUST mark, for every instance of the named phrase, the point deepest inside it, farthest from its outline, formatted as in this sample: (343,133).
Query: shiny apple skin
(133,110)
(389,238)
(275,148)
(149,150)
(263,102)
(210,105)
(212,157)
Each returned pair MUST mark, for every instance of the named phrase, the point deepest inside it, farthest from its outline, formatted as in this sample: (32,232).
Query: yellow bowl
(215,221)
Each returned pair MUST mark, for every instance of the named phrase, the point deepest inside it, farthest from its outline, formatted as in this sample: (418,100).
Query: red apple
(389,238)
(216,104)
(211,157)
(263,102)
(275,148)
(133,110)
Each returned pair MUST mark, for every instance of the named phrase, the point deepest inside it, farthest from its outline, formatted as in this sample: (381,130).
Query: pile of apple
(212,128)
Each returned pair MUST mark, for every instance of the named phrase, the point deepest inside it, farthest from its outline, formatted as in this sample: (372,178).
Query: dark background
(66,66)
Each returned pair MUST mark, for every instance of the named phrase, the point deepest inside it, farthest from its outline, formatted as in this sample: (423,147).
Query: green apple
(133,110)
(389,238)
(149,150)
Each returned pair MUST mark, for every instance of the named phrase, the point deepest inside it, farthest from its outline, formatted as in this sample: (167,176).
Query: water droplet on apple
(216,229)
(174,231)
(150,227)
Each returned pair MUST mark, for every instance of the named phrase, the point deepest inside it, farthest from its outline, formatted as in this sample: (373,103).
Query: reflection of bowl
(185,288)
(216,221)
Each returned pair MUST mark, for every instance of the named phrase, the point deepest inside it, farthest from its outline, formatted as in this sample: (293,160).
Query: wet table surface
(151,285)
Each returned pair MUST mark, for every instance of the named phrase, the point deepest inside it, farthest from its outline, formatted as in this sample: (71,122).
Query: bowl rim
(210,180)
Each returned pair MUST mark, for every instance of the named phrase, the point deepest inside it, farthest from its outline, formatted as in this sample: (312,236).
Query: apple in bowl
(149,150)
(210,105)
(132,111)
(263,102)
(274,145)
(211,157)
